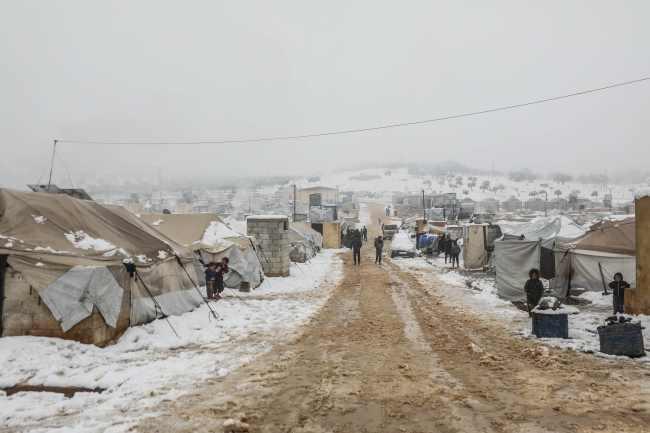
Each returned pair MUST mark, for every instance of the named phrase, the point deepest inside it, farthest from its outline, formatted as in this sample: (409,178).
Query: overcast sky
(219,70)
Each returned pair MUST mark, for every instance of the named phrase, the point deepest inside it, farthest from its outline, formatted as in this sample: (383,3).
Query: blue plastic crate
(624,339)
(550,325)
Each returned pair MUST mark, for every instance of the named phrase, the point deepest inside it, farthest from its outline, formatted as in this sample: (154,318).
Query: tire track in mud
(343,373)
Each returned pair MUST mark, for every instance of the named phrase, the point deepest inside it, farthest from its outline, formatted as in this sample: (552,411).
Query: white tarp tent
(526,247)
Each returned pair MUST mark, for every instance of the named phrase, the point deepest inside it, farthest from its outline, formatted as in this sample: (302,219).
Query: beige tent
(71,255)
(212,239)
(608,246)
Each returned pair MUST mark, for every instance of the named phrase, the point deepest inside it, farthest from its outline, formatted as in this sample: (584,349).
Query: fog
(124,71)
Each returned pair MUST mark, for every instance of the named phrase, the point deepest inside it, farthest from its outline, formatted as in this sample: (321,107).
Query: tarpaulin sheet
(513,261)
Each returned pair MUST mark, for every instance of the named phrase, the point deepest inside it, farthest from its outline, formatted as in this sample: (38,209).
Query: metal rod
(51,166)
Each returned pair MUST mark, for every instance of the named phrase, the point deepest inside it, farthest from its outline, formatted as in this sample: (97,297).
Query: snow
(9,245)
(40,265)
(267,217)
(239,226)
(157,223)
(142,258)
(162,255)
(402,242)
(217,232)
(149,364)
(639,193)
(84,241)
(40,219)
(51,250)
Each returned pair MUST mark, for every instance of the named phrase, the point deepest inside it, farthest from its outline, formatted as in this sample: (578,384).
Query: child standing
(222,268)
(210,274)
(618,287)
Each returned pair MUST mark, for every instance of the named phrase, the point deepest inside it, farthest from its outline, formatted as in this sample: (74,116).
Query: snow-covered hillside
(399,181)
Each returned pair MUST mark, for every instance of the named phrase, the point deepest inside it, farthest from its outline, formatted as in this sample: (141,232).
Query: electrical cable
(66,169)
(351,131)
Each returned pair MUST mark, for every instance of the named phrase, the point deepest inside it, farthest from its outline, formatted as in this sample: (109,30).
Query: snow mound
(157,223)
(217,232)
(84,241)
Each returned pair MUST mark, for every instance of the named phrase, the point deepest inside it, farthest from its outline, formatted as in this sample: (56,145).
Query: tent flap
(513,261)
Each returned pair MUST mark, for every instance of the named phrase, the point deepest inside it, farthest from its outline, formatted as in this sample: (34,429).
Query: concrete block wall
(24,313)
(273,237)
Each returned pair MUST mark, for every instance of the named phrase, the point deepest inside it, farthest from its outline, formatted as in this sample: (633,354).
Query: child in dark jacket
(534,290)
(222,268)
(210,274)
(618,287)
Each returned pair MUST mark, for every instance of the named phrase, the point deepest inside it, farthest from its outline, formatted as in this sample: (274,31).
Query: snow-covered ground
(400,181)
(482,298)
(149,363)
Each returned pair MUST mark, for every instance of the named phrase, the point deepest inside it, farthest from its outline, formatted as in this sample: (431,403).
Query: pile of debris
(615,320)
(552,305)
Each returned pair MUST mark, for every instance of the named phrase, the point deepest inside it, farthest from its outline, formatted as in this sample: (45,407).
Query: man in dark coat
(365,233)
(534,290)
(448,244)
(356,248)
(379,246)
(618,287)
(455,252)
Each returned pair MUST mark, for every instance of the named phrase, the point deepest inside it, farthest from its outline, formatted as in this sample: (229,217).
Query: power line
(352,131)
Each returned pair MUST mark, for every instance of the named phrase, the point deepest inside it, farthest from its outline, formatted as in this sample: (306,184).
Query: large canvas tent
(212,239)
(72,253)
(609,246)
(529,246)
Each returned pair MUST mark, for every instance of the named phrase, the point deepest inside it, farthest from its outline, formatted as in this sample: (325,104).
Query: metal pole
(51,166)
(546,204)
(294,202)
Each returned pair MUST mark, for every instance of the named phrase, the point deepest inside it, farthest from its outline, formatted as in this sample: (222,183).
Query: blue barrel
(550,325)
(624,339)
(423,241)
(430,240)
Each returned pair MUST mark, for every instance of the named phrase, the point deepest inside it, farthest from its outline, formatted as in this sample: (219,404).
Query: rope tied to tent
(130,267)
(214,313)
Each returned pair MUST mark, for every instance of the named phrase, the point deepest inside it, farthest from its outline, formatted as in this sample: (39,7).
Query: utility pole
(160,185)
(546,204)
(294,202)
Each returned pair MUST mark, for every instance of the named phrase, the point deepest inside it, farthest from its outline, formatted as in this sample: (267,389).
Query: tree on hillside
(314,178)
(501,187)
(561,177)
(594,194)
(459,180)
(450,177)
(427,182)
(516,176)
(533,193)
(557,192)
(485,185)
(471,182)
(441,181)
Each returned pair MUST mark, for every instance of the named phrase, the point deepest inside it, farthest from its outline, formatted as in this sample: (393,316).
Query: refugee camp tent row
(591,260)
(211,239)
(64,262)
(526,247)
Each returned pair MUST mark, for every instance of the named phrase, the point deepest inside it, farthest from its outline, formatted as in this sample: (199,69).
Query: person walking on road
(534,290)
(365,233)
(455,252)
(356,248)
(379,246)
(618,287)
(448,244)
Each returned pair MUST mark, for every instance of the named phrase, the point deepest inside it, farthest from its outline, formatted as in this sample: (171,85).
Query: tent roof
(617,237)
(549,228)
(197,231)
(304,228)
(72,230)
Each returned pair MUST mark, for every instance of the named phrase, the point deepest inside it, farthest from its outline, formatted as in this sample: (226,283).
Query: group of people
(214,277)
(451,249)
(534,289)
(350,231)
(357,242)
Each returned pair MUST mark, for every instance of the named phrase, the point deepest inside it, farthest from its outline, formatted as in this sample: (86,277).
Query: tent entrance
(3,267)
(318,227)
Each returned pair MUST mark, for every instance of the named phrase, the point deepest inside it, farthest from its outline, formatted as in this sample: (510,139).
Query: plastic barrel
(430,240)
(550,325)
(423,241)
(623,339)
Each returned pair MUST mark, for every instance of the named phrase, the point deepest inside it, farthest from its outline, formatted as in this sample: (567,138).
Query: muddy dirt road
(388,353)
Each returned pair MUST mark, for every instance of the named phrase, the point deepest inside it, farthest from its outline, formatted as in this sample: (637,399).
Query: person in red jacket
(222,268)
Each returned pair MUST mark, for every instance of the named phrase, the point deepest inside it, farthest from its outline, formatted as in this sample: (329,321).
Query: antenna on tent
(51,166)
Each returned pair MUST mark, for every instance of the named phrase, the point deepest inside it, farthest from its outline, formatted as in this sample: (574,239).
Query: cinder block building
(272,233)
